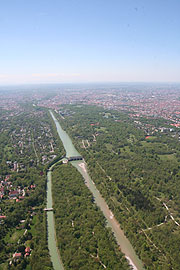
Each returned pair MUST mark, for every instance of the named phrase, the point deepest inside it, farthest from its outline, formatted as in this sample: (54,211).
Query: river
(121,239)
(52,245)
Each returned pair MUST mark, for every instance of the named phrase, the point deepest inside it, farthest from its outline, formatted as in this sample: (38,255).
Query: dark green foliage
(32,127)
(136,176)
(83,239)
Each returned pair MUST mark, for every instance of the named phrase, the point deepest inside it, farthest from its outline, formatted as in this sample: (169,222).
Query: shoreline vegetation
(120,157)
(83,239)
(121,239)
(134,164)
(51,230)
(29,146)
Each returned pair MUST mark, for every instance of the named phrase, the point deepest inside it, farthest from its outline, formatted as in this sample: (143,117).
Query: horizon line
(95,82)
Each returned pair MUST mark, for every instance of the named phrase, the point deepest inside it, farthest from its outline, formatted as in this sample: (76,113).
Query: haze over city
(89,135)
(89,41)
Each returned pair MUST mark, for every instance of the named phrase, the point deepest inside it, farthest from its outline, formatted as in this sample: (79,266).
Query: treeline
(59,150)
(40,259)
(30,209)
(83,239)
(136,176)
(25,213)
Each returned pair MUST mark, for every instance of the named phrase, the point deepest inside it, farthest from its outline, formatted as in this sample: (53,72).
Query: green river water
(52,245)
(121,239)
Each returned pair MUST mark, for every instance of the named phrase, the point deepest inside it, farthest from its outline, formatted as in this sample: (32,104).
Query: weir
(121,239)
(74,158)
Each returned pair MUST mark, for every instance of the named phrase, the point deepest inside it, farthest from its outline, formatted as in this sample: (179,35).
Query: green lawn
(132,138)
(109,146)
(13,237)
(147,144)
(126,150)
(100,129)
(8,150)
(33,230)
(168,157)
(3,266)
(28,267)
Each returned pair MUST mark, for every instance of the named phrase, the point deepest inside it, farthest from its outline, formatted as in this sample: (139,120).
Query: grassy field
(8,151)
(168,157)
(132,138)
(13,237)
(146,144)
(33,230)
(109,146)
(100,129)
(3,266)
(126,150)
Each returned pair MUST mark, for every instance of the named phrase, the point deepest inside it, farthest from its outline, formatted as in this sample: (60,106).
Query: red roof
(27,250)
(17,255)
(175,125)
(14,192)
(96,124)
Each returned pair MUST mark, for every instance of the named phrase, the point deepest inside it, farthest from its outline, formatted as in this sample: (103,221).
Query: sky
(74,41)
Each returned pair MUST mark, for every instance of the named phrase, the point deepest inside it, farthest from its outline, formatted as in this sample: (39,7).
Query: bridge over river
(74,158)
(78,162)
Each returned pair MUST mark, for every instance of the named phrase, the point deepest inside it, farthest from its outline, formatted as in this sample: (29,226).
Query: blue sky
(51,41)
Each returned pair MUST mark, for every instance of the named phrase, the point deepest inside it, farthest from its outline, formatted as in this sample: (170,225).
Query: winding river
(121,239)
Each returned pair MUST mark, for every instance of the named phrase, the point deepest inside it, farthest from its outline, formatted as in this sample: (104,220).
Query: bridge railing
(74,158)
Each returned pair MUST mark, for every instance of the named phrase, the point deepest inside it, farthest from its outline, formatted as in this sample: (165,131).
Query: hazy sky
(89,41)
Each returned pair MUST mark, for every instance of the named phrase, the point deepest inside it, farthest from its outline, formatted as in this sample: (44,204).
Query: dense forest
(83,239)
(135,166)
(29,143)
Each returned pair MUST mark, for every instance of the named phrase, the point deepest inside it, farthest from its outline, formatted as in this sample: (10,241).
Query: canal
(52,244)
(121,239)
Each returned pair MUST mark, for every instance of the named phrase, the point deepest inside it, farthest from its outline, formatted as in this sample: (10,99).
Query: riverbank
(123,242)
(52,243)
(83,238)
(121,239)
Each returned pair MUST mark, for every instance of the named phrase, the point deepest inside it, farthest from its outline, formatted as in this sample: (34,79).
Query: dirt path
(170,214)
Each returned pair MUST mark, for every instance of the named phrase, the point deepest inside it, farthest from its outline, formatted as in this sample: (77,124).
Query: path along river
(121,239)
